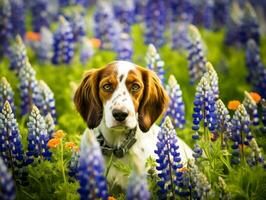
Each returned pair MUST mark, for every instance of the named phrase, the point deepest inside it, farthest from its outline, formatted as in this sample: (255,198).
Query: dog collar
(120,151)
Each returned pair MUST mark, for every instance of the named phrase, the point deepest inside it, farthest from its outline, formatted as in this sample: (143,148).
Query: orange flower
(255,96)
(70,145)
(95,42)
(59,134)
(33,36)
(53,143)
(111,198)
(183,169)
(232,105)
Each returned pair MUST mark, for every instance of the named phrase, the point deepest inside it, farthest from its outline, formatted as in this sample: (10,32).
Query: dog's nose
(120,114)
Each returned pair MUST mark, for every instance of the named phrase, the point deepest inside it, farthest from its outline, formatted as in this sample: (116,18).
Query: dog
(120,104)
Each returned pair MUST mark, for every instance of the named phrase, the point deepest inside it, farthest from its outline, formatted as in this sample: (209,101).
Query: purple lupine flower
(40,15)
(223,122)
(50,126)
(18,57)
(124,48)
(155,22)
(91,170)
(124,13)
(256,69)
(212,77)
(86,50)
(255,156)
(241,134)
(220,10)
(169,161)
(252,109)
(63,43)
(139,10)
(179,34)
(11,149)
(137,187)
(176,109)
(78,25)
(154,62)
(263,114)
(37,137)
(28,88)
(208,14)
(6,94)
(45,46)
(18,17)
(7,186)
(73,164)
(5,26)
(196,57)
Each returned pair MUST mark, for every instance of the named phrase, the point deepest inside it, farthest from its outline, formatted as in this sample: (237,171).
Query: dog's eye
(135,87)
(108,87)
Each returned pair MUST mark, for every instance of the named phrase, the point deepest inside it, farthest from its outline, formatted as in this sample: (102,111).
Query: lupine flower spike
(223,122)
(86,50)
(50,126)
(125,47)
(6,94)
(40,14)
(18,17)
(255,156)
(73,163)
(241,134)
(11,149)
(263,115)
(91,170)
(176,109)
(63,43)
(169,161)
(213,79)
(45,47)
(154,62)
(7,186)
(18,57)
(78,25)
(37,137)
(196,55)
(251,108)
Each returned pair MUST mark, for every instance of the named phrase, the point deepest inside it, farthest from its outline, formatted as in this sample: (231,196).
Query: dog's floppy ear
(154,101)
(87,99)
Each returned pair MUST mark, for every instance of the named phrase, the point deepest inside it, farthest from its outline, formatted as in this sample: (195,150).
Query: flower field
(210,56)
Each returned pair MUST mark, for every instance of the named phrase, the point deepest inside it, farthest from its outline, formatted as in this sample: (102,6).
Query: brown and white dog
(122,99)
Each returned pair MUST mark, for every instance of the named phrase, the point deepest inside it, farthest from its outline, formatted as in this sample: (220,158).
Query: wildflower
(168,161)
(224,192)
(125,48)
(196,57)
(223,122)
(18,57)
(73,163)
(7,186)
(154,62)
(59,134)
(28,88)
(213,79)
(155,21)
(63,43)
(255,156)
(6,94)
(70,145)
(176,109)
(233,105)
(50,126)
(18,17)
(37,137)
(45,46)
(86,50)
(251,108)
(95,42)
(91,170)
(11,149)
(33,36)
(40,13)
(255,96)
(53,143)
(111,198)
(263,114)
(208,14)
(78,25)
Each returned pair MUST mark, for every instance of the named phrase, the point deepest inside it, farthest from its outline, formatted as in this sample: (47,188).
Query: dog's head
(121,94)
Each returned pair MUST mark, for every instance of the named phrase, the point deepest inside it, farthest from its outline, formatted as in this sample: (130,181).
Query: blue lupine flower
(40,14)
(256,69)
(212,77)
(220,10)
(181,10)
(204,106)
(63,43)
(11,149)
(155,22)
(179,34)
(196,57)
(28,88)
(241,134)
(224,193)
(255,156)
(45,46)
(7,186)
(37,137)
(91,170)
(223,122)
(139,10)
(18,17)
(169,161)
(45,100)
(86,50)
(252,109)
(208,14)
(6,94)
(137,187)
(263,115)
(176,109)
(5,26)
(18,57)
(73,164)
(124,13)
(124,48)
(154,62)
(78,25)
(50,126)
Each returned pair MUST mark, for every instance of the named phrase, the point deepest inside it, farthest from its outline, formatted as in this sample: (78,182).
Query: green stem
(26,193)
(109,166)
(62,160)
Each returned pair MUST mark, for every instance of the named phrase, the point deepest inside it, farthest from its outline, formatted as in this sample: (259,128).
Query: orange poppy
(232,105)
(255,96)
(33,36)
(70,145)
(59,134)
(53,143)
